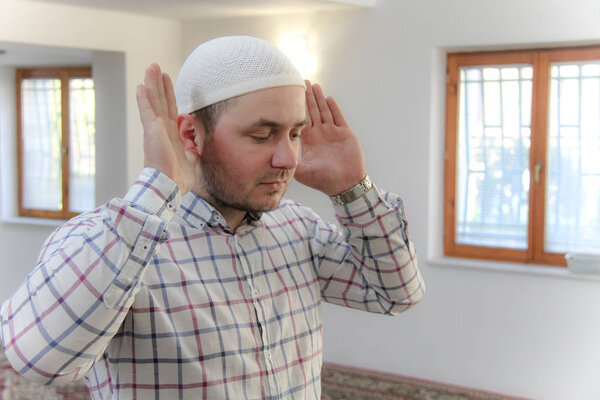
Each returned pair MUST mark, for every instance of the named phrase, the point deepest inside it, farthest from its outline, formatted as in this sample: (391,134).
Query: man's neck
(233,216)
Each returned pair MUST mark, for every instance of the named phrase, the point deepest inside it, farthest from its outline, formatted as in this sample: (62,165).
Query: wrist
(355,192)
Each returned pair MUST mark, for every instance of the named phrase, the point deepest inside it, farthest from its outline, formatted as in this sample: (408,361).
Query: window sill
(511,268)
(33,221)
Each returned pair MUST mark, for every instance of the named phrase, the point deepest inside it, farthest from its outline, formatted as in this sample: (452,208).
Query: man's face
(249,159)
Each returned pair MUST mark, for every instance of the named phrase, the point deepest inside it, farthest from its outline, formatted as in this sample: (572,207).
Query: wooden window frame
(64,74)
(540,59)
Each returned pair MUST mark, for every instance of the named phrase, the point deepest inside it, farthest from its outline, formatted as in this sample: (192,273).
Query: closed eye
(261,137)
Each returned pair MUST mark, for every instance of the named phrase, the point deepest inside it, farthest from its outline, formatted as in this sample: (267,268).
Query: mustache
(277,175)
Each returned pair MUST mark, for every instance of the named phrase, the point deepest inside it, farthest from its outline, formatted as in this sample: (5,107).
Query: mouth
(276,181)
(274,185)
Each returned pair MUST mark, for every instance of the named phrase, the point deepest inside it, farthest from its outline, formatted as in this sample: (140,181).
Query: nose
(285,154)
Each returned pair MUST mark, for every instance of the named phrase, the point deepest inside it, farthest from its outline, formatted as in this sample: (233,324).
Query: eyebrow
(274,124)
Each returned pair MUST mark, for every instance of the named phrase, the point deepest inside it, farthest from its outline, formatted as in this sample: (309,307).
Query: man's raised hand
(332,158)
(158,113)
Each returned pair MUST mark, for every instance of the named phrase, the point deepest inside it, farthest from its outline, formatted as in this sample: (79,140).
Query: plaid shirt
(153,296)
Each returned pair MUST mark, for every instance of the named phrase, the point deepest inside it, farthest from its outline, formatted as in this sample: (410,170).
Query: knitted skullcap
(230,66)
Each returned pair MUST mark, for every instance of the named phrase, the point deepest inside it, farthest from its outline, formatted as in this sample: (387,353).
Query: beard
(225,190)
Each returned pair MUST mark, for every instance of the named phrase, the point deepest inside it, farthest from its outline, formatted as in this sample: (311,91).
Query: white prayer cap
(230,66)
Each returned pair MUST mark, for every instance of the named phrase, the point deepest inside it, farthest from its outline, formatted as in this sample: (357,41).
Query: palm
(158,112)
(332,158)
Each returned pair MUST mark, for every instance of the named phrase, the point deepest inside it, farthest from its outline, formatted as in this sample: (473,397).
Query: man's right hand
(158,112)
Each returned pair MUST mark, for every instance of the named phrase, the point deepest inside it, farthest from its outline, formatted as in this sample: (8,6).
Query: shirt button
(164,236)
(255,292)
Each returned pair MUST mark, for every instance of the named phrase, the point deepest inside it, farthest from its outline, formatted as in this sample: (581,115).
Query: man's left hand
(332,159)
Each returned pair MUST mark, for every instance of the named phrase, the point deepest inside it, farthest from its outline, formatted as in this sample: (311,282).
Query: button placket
(255,293)
(272,383)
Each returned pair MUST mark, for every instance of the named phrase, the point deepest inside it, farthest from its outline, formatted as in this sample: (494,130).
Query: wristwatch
(353,193)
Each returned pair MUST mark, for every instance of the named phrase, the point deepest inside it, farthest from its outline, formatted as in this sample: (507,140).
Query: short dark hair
(209,115)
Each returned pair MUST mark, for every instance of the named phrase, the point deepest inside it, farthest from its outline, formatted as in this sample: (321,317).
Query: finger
(326,116)
(311,104)
(146,113)
(170,97)
(151,81)
(160,85)
(151,85)
(336,111)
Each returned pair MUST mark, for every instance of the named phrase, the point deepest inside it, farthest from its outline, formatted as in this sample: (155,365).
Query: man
(201,283)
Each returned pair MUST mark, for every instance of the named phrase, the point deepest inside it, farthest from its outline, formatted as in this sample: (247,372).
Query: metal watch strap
(354,193)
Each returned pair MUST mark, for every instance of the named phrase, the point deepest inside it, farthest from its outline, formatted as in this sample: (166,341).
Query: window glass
(573,177)
(82,154)
(41,143)
(494,141)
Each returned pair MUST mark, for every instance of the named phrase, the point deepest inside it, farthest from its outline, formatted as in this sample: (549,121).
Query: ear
(191,133)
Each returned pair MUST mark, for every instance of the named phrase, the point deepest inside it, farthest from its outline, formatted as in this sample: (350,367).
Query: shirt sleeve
(370,263)
(62,318)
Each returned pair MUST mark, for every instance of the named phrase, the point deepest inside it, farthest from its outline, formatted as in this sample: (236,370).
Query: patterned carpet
(346,383)
(339,383)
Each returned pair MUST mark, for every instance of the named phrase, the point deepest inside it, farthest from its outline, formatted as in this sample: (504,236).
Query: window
(56,135)
(522,176)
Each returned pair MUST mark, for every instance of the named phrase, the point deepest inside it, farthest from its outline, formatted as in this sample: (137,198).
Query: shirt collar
(199,213)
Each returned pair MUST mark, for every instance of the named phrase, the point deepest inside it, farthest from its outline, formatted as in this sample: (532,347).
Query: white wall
(123,45)
(523,334)
(110,87)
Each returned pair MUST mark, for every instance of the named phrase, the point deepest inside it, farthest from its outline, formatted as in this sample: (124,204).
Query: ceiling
(187,10)
(184,10)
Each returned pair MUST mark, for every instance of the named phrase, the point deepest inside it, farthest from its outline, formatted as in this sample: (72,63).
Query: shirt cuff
(155,193)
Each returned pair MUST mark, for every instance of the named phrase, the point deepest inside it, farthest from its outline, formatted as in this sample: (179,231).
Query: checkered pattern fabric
(153,296)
